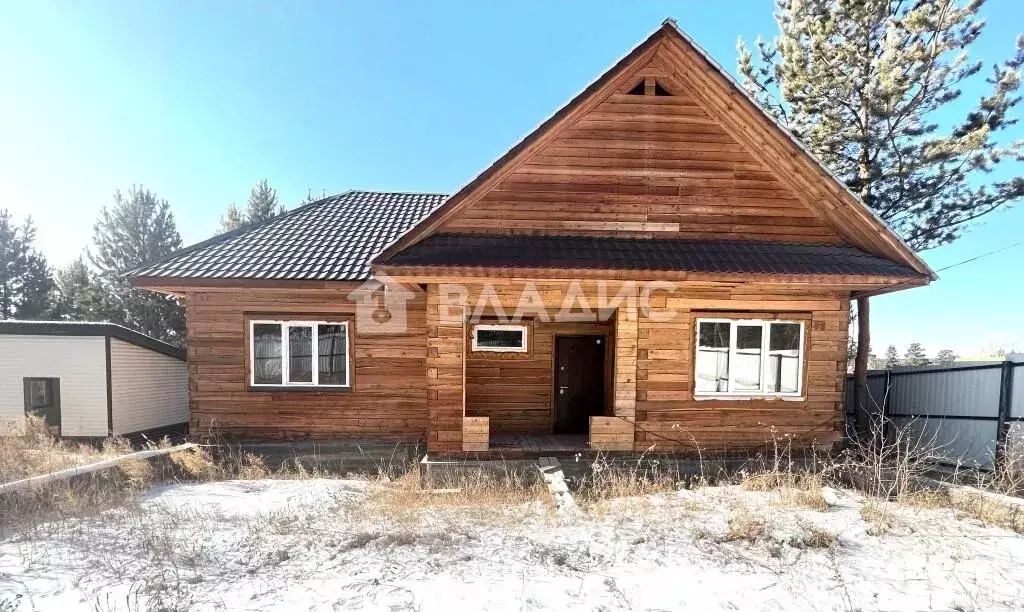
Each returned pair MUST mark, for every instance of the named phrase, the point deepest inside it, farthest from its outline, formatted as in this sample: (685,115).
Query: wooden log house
(658,265)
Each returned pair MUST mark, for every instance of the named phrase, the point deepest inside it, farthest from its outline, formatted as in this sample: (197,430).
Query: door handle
(562,390)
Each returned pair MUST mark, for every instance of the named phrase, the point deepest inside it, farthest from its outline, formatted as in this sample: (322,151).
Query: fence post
(1005,406)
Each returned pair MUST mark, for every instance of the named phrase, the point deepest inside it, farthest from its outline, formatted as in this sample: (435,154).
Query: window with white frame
(299,353)
(500,338)
(748,357)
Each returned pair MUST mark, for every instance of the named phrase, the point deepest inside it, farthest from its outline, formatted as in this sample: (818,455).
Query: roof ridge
(239,231)
(426,193)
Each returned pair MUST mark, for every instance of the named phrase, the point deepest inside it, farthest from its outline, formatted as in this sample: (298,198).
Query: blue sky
(199,100)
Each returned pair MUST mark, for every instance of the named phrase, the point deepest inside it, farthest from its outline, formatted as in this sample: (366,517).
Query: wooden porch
(481,402)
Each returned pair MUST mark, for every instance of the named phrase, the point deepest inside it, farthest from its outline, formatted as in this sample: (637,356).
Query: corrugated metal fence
(967,410)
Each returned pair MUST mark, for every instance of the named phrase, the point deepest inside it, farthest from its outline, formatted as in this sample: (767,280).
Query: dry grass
(30,449)
(880,519)
(813,536)
(989,511)
(398,498)
(792,489)
(608,480)
(988,508)
(744,526)
(34,451)
(1007,477)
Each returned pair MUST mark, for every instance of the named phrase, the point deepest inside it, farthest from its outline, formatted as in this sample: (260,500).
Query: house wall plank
(388,399)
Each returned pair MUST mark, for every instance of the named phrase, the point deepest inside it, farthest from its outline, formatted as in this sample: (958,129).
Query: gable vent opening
(648,87)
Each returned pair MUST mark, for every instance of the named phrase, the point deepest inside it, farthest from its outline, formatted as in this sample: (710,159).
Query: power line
(959,263)
(983,255)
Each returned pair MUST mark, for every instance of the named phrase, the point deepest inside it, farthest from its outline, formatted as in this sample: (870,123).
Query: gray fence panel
(970,443)
(1017,405)
(955,409)
(947,393)
(876,393)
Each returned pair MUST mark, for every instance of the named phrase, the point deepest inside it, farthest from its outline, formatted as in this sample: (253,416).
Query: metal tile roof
(582,252)
(330,239)
(16,327)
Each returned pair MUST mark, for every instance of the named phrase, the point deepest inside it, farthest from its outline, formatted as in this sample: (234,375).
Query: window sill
(700,397)
(296,389)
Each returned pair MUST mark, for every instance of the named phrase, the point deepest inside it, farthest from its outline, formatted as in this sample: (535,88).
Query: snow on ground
(325,545)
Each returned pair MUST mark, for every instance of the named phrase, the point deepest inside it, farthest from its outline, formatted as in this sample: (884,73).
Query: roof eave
(872,284)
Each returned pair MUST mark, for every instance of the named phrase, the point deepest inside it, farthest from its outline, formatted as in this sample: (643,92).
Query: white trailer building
(91,380)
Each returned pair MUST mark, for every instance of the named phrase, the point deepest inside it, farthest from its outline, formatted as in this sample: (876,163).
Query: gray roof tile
(331,239)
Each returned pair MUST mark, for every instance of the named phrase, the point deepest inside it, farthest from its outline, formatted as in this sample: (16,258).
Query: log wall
(669,417)
(388,399)
(515,390)
(652,369)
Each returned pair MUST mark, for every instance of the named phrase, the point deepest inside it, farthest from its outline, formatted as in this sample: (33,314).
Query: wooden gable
(637,162)
(663,145)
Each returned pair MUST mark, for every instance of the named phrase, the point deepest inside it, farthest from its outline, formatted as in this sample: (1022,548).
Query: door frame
(53,383)
(606,336)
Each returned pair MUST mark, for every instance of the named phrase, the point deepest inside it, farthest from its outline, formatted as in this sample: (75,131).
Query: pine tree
(136,229)
(945,356)
(862,84)
(78,295)
(26,283)
(262,205)
(311,197)
(892,358)
(915,355)
(232,219)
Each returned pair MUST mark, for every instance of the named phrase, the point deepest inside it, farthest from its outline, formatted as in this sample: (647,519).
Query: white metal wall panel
(149,389)
(80,364)
(950,392)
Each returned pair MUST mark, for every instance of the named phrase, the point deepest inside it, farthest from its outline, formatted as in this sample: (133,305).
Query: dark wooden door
(579,382)
(42,398)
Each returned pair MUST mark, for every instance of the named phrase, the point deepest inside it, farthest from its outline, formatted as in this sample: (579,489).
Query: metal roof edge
(100,329)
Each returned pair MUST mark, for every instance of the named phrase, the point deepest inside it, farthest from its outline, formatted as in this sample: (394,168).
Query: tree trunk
(861,409)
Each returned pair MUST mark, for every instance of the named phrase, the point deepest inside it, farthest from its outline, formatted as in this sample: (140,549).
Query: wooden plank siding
(446,372)
(389,395)
(515,390)
(422,383)
(649,166)
(668,415)
(652,368)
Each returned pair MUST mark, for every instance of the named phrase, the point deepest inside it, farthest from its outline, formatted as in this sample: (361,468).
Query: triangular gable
(692,156)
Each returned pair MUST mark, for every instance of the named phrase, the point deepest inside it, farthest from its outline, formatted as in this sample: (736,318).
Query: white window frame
(765,325)
(285,357)
(501,349)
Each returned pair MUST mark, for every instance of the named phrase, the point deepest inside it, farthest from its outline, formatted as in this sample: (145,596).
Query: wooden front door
(579,382)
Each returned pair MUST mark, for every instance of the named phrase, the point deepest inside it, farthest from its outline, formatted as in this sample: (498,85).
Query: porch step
(551,470)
